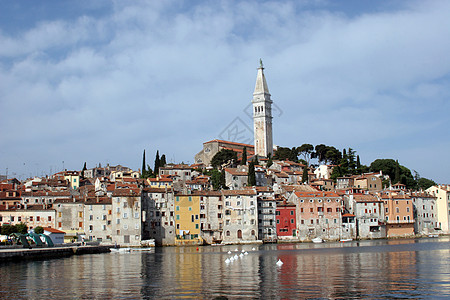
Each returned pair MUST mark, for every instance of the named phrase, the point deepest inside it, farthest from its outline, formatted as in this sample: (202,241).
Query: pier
(53,252)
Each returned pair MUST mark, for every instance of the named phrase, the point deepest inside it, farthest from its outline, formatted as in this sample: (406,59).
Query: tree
(284,153)
(222,180)
(344,163)
(244,156)
(143,170)
(269,161)
(397,172)
(305,174)
(216,180)
(222,157)
(351,161)
(163,161)
(38,230)
(358,165)
(424,183)
(333,155)
(306,150)
(7,229)
(84,169)
(21,228)
(320,152)
(157,163)
(251,178)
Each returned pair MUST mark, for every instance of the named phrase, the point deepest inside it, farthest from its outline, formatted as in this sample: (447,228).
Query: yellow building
(187,219)
(73,177)
(160,182)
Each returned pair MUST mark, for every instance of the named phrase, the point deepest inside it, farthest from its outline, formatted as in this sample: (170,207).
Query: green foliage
(84,169)
(307,151)
(251,178)
(284,153)
(157,163)
(244,156)
(332,155)
(397,172)
(305,174)
(216,179)
(424,183)
(7,229)
(21,228)
(224,156)
(163,161)
(38,230)
(269,161)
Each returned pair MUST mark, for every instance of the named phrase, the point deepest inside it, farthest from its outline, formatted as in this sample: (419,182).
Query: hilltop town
(233,193)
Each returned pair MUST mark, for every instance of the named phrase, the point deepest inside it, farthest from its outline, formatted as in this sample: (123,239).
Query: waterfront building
(57,236)
(98,219)
(126,217)
(442,194)
(240,216)
(368,211)
(267,226)
(211,216)
(286,221)
(187,219)
(30,215)
(69,217)
(318,214)
(399,215)
(158,218)
(425,212)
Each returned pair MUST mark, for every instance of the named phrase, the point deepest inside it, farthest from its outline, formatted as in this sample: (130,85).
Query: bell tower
(262,115)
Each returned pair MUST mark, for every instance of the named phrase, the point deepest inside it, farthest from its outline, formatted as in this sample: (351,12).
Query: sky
(100,81)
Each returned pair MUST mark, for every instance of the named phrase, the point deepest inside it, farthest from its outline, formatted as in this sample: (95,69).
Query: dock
(50,252)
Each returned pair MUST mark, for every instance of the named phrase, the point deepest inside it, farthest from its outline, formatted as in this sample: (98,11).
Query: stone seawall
(45,253)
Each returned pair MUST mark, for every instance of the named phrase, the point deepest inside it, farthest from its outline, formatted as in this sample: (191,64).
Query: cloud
(168,76)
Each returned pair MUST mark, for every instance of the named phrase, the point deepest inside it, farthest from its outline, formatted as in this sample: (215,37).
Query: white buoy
(236,257)
(245,253)
(236,250)
(253,249)
(229,252)
(242,250)
(231,258)
(241,255)
(227,261)
(279,262)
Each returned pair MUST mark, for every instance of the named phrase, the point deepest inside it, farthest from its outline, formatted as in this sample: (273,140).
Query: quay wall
(44,253)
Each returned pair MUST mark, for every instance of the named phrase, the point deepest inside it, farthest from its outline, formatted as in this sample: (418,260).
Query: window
(80,224)
(38,218)
(125,215)
(278,221)
(91,227)
(178,208)
(125,226)
(117,221)
(301,209)
(178,217)
(292,221)
(228,233)
(91,217)
(292,212)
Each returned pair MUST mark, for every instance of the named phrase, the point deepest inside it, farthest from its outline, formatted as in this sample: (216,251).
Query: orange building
(399,215)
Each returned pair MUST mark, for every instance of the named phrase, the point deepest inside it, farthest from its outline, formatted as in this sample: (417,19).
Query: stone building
(126,217)
(240,216)
(98,219)
(425,213)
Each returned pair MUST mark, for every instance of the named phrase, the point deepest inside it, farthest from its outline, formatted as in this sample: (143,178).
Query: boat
(433,235)
(317,240)
(345,240)
(121,250)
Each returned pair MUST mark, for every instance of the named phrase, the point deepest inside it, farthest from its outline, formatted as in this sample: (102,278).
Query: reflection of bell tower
(262,115)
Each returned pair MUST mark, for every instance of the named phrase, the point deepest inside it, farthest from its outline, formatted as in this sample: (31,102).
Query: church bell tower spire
(262,115)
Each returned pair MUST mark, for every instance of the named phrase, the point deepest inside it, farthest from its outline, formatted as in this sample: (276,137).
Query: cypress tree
(397,172)
(143,171)
(305,174)
(84,169)
(251,177)
(163,160)
(244,156)
(157,163)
